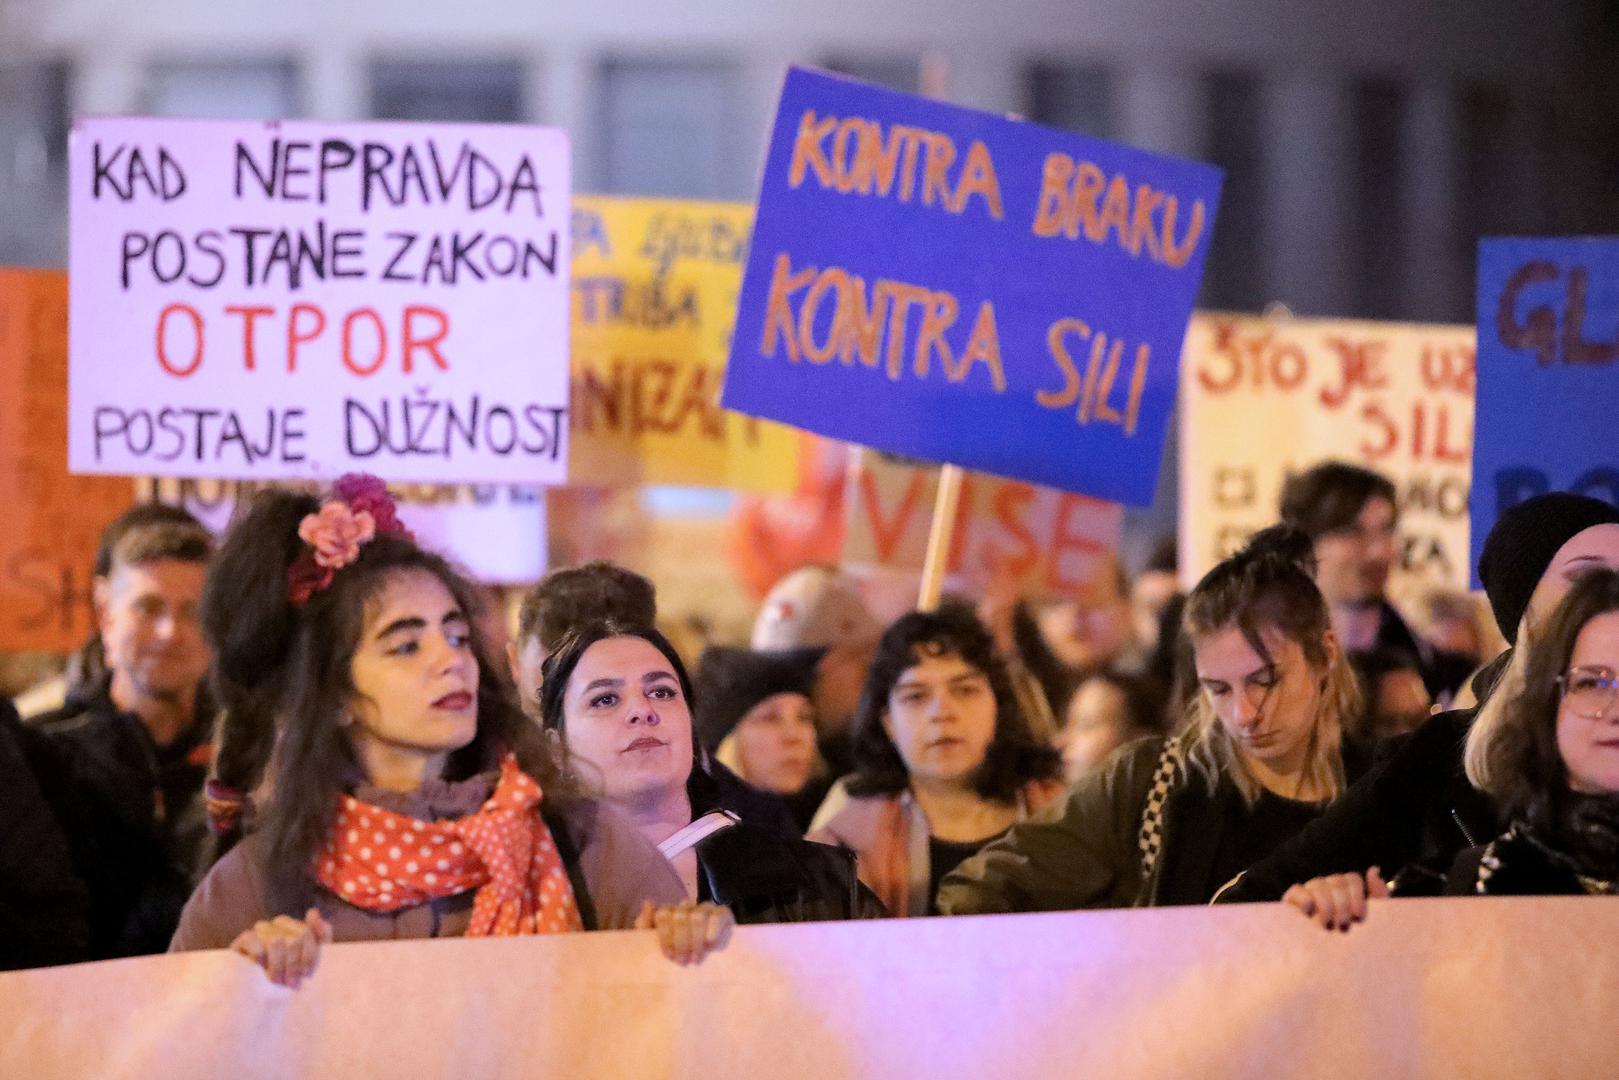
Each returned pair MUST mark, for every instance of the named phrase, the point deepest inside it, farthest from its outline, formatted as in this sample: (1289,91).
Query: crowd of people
(303,734)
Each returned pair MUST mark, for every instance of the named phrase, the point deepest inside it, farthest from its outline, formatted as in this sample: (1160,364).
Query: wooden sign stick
(941,535)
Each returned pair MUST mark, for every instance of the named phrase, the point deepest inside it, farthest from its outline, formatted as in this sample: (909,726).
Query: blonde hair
(1478,755)
(1211,752)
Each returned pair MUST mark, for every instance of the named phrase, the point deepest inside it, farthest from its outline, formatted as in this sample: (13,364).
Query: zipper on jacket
(1457,818)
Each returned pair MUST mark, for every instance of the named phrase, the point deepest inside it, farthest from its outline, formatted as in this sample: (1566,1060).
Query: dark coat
(1511,865)
(1443,673)
(140,822)
(1410,815)
(1085,852)
(764,878)
(44,906)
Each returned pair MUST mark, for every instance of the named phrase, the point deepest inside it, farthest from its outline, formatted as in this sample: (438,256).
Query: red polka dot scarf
(382,861)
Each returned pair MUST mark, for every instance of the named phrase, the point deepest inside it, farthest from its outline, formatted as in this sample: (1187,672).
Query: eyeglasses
(1589,691)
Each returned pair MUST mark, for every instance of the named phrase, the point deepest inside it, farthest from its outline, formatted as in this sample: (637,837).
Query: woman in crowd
(621,700)
(1552,762)
(406,793)
(756,716)
(1107,711)
(1549,758)
(944,760)
(1415,810)
(1169,821)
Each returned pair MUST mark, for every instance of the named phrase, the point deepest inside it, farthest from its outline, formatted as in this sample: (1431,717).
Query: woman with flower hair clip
(402,792)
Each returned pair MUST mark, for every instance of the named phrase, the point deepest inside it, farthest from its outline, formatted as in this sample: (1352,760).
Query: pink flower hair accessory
(359,511)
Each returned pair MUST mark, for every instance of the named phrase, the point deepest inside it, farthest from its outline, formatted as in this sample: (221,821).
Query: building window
(1234,272)
(33,163)
(244,90)
(1378,251)
(902,73)
(1072,97)
(483,91)
(671,128)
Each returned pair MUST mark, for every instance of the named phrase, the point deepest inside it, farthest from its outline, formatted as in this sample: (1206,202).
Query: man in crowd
(135,740)
(567,598)
(1350,513)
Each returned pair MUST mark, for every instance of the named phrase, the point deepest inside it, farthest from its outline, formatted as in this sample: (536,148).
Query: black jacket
(1410,815)
(44,906)
(140,827)
(1443,673)
(764,878)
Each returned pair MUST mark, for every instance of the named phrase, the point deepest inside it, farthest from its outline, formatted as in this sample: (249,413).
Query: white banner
(1474,988)
(287,299)
(1262,399)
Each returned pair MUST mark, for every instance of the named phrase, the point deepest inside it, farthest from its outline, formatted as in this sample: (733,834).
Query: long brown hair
(1516,760)
(283,675)
(1268,585)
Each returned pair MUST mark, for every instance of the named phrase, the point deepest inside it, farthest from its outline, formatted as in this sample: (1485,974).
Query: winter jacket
(764,878)
(1410,815)
(1142,829)
(44,906)
(613,869)
(139,817)
(889,836)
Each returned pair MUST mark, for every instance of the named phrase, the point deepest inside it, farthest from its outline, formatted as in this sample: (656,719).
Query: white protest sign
(1264,398)
(496,532)
(275,300)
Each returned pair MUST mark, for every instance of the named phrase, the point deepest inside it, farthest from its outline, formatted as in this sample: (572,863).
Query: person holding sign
(407,794)
(1169,821)
(1421,805)
(944,759)
(621,699)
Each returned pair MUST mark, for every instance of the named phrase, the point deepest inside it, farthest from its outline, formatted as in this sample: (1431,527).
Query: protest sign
(53,520)
(1548,372)
(1460,987)
(1263,399)
(496,532)
(286,299)
(655,284)
(1042,541)
(954,286)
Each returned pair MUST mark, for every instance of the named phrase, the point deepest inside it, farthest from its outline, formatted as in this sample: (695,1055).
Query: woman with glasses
(1169,821)
(1552,764)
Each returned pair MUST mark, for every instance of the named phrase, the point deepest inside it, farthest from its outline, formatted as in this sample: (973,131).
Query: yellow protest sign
(1264,398)
(655,283)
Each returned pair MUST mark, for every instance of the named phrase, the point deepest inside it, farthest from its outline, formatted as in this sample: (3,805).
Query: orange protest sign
(53,520)
(1048,542)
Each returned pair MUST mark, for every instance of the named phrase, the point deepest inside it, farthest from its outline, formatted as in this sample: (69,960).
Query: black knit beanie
(730,681)
(1522,544)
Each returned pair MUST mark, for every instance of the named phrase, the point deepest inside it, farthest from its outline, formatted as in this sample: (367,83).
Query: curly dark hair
(1330,496)
(282,674)
(1523,769)
(1014,757)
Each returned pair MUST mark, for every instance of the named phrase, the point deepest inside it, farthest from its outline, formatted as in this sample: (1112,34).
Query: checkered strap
(1171,765)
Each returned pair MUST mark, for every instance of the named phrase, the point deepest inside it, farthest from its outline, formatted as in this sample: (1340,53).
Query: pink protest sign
(285,299)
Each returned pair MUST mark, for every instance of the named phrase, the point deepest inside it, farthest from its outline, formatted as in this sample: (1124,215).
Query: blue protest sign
(952,285)
(1548,373)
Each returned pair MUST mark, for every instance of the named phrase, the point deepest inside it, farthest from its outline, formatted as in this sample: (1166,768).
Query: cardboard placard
(497,533)
(1548,372)
(958,287)
(655,283)
(275,300)
(53,520)
(1042,541)
(1266,398)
